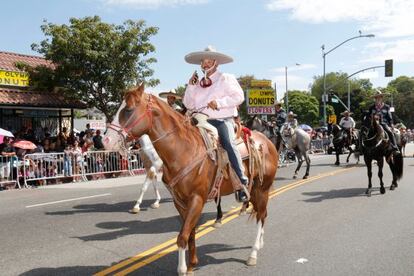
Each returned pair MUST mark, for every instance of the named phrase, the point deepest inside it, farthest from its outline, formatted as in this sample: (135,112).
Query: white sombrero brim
(166,94)
(197,57)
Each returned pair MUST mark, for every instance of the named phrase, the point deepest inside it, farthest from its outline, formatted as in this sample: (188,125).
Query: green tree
(95,61)
(305,106)
(244,82)
(402,89)
(338,82)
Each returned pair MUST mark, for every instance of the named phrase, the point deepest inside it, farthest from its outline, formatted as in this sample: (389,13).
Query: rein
(125,131)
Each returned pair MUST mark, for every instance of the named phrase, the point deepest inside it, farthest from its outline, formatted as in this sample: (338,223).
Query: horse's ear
(138,90)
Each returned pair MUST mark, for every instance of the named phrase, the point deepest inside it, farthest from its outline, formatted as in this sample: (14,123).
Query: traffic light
(388,67)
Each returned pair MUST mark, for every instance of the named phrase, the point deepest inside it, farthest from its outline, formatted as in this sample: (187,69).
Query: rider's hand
(213,105)
(194,79)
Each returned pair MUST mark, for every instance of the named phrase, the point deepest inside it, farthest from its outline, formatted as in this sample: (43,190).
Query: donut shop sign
(13,78)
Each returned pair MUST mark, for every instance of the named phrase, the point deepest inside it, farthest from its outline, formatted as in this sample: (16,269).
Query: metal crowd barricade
(136,166)
(42,167)
(99,163)
(320,145)
(9,171)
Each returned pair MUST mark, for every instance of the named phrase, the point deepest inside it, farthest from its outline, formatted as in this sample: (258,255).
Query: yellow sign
(12,78)
(261,97)
(332,119)
(261,83)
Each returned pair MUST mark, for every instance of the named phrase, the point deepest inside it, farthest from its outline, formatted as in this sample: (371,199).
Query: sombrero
(278,103)
(291,114)
(378,93)
(208,53)
(347,112)
(172,92)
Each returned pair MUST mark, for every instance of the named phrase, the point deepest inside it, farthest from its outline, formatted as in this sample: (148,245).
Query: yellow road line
(170,245)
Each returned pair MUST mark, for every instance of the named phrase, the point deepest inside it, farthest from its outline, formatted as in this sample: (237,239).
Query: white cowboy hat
(291,114)
(208,53)
(172,92)
(378,93)
(346,112)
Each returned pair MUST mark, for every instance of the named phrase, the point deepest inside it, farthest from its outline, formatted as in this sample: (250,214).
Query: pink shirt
(225,90)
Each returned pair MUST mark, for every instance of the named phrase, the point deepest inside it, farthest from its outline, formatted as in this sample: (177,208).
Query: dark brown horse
(376,145)
(341,141)
(187,169)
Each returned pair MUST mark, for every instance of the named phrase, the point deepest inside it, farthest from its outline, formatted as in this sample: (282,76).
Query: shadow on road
(120,229)
(106,208)
(334,194)
(167,265)
(67,270)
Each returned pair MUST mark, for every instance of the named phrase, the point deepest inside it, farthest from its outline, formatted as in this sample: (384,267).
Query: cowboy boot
(243,194)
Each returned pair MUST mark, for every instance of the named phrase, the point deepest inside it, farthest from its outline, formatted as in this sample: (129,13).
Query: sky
(263,36)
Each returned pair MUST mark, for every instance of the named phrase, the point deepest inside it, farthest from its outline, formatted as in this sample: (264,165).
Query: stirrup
(242,195)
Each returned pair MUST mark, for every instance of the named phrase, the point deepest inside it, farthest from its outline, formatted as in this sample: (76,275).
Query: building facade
(22,108)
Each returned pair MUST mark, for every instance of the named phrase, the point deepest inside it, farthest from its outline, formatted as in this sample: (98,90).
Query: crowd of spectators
(74,146)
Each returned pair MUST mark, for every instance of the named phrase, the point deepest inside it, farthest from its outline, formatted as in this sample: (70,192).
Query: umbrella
(7,133)
(23,144)
(305,127)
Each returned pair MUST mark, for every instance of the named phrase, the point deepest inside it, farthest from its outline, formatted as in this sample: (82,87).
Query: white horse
(152,164)
(298,140)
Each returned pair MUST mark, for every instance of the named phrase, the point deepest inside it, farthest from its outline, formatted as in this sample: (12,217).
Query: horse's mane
(182,125)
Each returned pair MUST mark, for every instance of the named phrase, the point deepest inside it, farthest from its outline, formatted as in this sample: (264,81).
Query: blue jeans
(225,129)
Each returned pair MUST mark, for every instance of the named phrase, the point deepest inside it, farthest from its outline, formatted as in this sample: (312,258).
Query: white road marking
(66,200)
(302,261)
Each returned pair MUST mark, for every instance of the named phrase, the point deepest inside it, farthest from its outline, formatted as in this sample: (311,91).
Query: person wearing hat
(291,120)
(383,111)
(217,95)
(172,98)
(348,124)
(280,115)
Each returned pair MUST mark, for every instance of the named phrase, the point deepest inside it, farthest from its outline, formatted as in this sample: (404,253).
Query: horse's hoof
(382,190)
(294,177)
(217,224)
(134,210)
(368,192)
(337,163)
(392,188)
(305,177)
(251,261)
(190,273)
(155,205)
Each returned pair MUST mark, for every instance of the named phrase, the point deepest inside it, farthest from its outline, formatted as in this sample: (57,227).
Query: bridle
(125,131)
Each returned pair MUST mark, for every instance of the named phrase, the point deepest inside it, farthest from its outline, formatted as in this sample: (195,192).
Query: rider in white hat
(348,124)
(221,94)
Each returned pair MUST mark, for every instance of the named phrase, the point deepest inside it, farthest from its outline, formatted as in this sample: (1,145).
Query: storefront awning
(27,98)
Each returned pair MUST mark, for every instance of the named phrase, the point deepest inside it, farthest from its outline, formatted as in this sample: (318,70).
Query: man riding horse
(221,94)
(383,113)
(347,124)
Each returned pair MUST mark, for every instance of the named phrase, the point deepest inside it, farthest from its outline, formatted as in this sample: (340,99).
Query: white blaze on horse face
(112,139)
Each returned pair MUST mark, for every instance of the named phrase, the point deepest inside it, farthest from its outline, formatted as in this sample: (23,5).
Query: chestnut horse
(187,169)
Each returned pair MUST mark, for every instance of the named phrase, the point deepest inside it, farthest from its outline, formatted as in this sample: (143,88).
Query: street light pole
(324,54)
(287,95)
(286,85)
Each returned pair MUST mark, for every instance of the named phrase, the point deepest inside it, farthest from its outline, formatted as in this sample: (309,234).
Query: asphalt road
(322,226)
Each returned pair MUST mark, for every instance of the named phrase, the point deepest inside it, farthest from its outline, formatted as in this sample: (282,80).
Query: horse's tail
(398,165)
